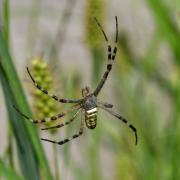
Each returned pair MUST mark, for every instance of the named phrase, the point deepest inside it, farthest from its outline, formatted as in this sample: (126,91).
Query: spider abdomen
(91,118)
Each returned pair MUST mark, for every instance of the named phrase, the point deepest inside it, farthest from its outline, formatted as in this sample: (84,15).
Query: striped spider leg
(48,119)
(124,120)
(111,57)
(72,137)
(52,95)
(105,104)
(64,124)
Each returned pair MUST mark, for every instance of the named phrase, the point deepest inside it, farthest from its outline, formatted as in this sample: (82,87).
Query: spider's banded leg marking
(52,95)
(105,104)
(116,40)
(63,124)
(53,118)
(111,58)
(124,120)
(68,139)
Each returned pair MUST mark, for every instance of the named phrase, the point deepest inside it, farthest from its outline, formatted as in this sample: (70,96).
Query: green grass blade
(166,25)
(7,172)
(6,20)
(26,155)
(178,13)
(19,97)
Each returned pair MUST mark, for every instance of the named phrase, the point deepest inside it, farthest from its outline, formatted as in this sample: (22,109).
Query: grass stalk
(8,173)
(19,97)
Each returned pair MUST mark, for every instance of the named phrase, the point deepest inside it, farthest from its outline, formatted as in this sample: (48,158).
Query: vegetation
(144,87)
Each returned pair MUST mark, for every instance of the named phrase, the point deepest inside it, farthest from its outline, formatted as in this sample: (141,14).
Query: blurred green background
(62,45)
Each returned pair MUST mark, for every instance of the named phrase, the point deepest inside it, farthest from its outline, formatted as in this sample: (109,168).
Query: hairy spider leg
(111,57)
(53,118)
(70,138)
(52,95)
(124,120)
(63,124)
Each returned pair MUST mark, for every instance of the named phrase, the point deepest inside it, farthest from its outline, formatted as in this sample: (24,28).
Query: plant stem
(56,164)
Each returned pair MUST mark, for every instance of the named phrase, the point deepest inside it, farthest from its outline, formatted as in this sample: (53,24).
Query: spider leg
(52,95)
(105,36)
(63,124)
(53,118)
(111,58)
(70,138)
(105,104)
(124,120)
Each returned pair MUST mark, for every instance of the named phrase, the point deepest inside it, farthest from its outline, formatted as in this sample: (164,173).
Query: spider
(88,105)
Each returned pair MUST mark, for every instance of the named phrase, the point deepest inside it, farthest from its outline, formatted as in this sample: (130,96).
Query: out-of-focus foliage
(94,8)
(32,161)
(43,105)
(7,172)
(94,36)
(145,88)
(178,12)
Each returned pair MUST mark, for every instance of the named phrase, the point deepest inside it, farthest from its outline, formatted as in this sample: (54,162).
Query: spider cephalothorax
(89,104)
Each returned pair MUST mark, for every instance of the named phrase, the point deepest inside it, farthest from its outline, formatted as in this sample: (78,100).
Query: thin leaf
(178,13)
(6,19)
(7,172)
(19,97)
(26,155)
(166,25)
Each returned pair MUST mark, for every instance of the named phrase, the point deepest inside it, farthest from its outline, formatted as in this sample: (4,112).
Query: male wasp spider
(88,105)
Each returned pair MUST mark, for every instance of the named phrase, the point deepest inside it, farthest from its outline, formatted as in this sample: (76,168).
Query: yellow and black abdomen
(91,118)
